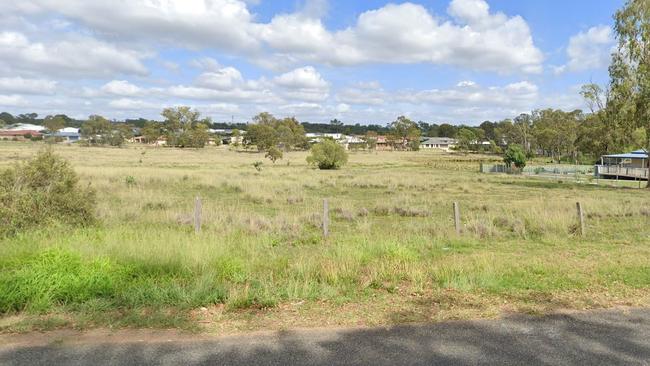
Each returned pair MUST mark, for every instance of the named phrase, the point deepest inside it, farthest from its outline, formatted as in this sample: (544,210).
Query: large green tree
(405,133)
(466,138)
(555,132)
(268,132)
(151,131)
(184,127)
(99,131)
(96,130)
(54,123)
(630,68)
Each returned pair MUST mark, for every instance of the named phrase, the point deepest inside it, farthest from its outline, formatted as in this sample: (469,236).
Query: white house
(442,143)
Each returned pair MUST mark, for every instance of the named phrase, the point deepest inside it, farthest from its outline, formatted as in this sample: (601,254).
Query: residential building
(19,135)
(66,136)
(632,165)
(24,127)
(442,143)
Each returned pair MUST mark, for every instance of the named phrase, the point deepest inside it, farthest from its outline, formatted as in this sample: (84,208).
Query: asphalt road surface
(617,337)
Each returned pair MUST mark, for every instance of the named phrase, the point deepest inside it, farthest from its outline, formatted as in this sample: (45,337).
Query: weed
(130,181)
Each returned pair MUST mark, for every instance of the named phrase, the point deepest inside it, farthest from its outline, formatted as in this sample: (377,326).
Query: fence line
(457,222)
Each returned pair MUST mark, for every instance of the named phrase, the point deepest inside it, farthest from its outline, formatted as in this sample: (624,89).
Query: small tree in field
(328,155)
(516,156)
(274,154)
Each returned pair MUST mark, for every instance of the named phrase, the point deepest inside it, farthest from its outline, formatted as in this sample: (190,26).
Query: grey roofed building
(444,143)
(629,165)
(635,159)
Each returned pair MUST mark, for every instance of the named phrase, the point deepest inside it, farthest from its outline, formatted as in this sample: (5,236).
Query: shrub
(328,155)
(258,165)
(43,190)
(273,154)
(515,156)
(130,181)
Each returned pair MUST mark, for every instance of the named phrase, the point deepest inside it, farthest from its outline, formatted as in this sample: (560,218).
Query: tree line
(557,134)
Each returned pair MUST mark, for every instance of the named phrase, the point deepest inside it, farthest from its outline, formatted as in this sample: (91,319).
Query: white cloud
(206,64)
(366,93)
(221,108)
(304,84)
(342,108)
(589,50)
(71,56)
(298,108)
(133,104)
(27,86)
(516,95)
(395,33)
(194,23)
(408,33)
(302,78)
(221,79)
(466,84)
(12,100)
(121,87)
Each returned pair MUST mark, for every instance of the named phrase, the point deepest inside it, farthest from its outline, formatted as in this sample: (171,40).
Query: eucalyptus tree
(630,68)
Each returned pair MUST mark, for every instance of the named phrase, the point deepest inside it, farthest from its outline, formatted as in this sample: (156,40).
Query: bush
(41,191)
(273,154)
(328,155)
(258,165)
(516,156)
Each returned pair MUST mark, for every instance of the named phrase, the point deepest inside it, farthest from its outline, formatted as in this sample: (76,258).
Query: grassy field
(261,262)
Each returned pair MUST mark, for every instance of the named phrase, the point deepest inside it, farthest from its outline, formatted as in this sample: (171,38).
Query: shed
(628,165)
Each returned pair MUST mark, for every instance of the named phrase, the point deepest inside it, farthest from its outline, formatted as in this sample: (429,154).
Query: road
(613,337)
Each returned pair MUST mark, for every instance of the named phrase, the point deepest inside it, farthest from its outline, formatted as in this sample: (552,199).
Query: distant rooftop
(439,141)
(24,127)
(636,154)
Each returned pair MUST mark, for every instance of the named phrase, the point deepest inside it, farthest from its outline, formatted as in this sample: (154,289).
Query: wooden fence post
(326,218)
(197,215)
(457,217)
(581,218)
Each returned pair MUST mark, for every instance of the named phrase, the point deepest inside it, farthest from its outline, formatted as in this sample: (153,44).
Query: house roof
(24,127)
(439,141)
(637,154)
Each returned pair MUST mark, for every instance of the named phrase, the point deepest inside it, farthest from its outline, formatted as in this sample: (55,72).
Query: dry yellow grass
(392,238)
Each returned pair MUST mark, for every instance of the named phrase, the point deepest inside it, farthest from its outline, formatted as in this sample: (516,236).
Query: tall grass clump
(56,277)
(42,191)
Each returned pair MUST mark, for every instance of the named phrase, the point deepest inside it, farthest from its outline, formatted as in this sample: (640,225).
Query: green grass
(392,247)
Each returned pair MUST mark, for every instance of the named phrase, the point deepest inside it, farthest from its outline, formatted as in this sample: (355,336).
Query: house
(442,143)
(21,132)
(25,127)
(632,165)
(383,144)
(18,135)
(66,136)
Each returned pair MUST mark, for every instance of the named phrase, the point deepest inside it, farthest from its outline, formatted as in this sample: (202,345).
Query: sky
(439,61)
